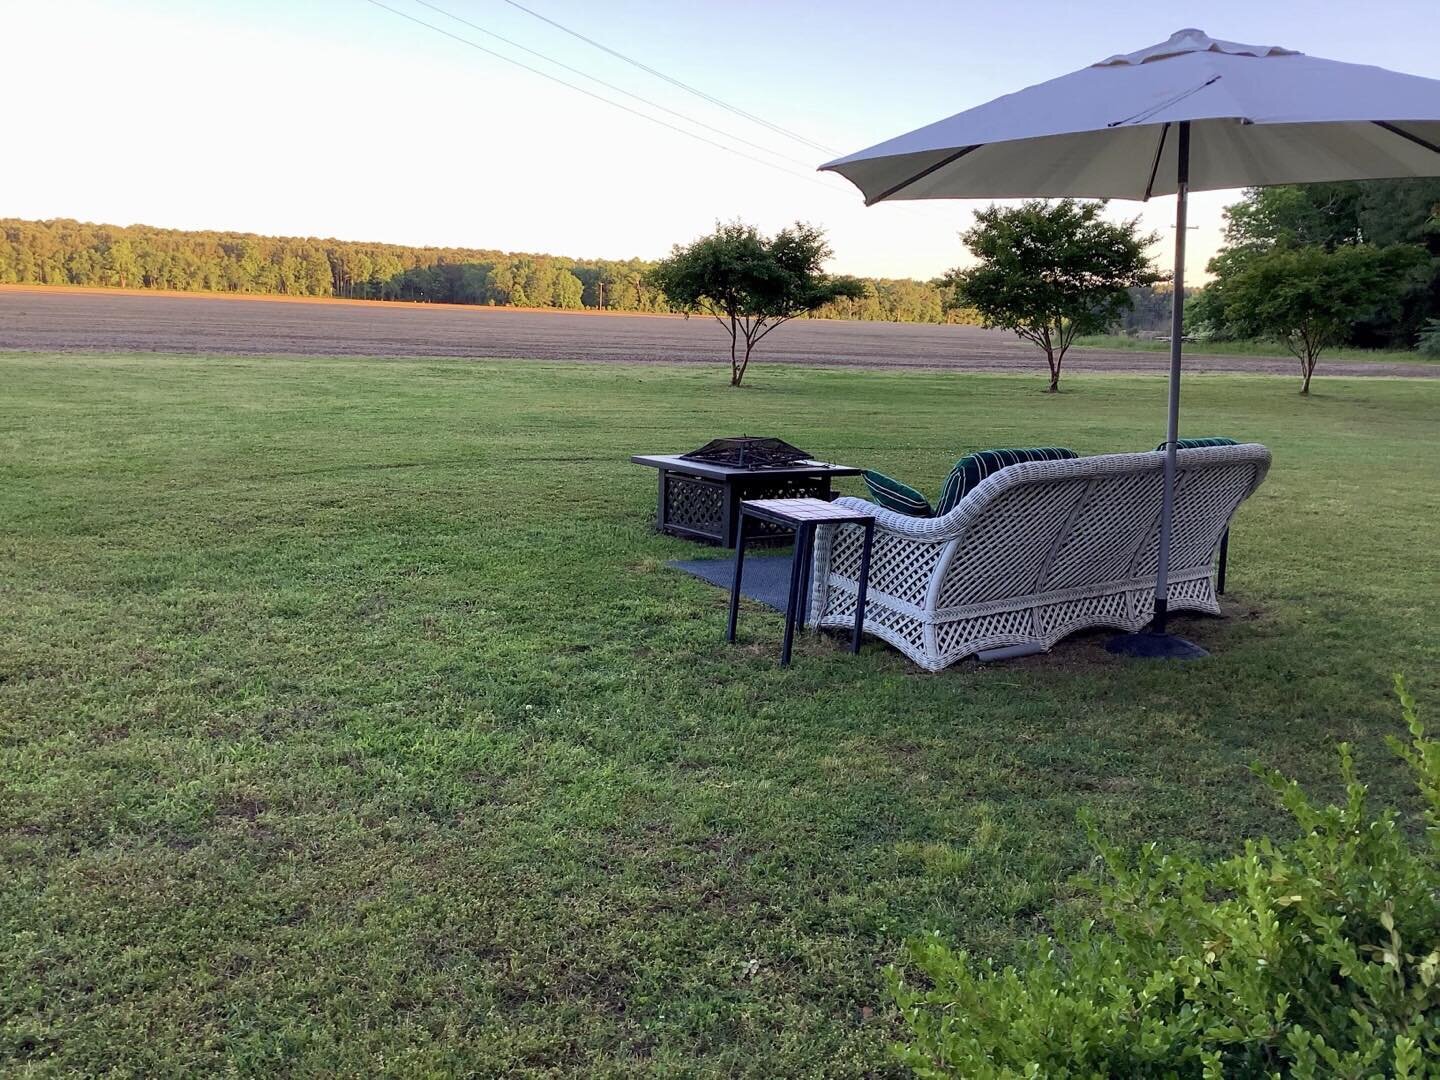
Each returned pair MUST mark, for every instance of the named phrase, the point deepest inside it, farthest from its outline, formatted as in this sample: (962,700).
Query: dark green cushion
(1195,444)
(893,495)
(973,468)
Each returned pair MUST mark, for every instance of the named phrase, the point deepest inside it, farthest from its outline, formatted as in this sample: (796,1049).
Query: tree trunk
(736,372)
(1307,369)
(1054,387)
(744,364)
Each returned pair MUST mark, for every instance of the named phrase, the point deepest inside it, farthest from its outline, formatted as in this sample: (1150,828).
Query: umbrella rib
(1155,165)
(923,173)
(1416,139)
(1145,114)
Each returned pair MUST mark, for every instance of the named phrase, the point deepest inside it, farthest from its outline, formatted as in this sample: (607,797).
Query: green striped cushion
(1194,444)
(973,468)
(893,495)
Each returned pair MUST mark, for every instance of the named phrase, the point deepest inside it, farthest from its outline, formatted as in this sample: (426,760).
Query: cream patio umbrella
(1189,114)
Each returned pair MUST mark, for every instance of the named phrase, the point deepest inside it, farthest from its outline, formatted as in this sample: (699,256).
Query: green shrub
(1429,343)
(1317,957)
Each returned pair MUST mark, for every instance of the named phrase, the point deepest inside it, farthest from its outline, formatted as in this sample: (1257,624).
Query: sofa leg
(862,585)
(1009,652)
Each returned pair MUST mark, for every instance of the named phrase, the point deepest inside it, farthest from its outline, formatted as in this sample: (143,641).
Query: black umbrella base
(1154,646)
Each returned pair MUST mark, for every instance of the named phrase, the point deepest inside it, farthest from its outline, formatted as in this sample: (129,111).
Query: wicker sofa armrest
(911,528)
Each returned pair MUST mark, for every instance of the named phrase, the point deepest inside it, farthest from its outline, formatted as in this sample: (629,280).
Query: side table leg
(807,559)
(735,584)
(730,514)
(793,601)
(863,585)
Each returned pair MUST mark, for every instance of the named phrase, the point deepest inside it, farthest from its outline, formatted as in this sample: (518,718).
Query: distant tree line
(65,252)
(1149,310)
(901,300)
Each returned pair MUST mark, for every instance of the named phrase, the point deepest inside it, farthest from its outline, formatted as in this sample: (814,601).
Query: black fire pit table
(701,501)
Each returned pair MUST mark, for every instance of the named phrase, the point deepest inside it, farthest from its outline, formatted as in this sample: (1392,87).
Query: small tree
(749,283)
(1052,271)
(1428,343)
(1309,298)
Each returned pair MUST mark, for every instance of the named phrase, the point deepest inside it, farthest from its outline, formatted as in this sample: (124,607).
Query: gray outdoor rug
(766,577)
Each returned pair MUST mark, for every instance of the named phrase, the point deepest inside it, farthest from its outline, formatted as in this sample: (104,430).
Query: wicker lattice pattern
(1196,529)
(1000,554)
(898,567)
(1036,552)
(1102,540)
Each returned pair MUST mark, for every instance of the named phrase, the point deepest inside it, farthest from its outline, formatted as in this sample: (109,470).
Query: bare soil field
(44,319)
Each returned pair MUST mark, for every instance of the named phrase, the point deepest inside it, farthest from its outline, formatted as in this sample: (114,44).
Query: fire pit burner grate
(748,452)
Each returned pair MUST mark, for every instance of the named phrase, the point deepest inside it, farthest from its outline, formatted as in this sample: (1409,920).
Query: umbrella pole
(1154,641)
(1172,425)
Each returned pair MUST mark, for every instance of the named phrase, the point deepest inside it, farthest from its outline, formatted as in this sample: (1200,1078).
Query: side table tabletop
(802,515)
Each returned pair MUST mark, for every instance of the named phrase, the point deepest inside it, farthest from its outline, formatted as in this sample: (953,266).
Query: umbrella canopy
(1189,113)
(1258,115)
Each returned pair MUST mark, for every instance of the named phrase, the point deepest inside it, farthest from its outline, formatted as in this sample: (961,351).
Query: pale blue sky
(335,118)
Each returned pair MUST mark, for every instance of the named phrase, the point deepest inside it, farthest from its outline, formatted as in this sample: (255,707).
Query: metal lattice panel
(694,504)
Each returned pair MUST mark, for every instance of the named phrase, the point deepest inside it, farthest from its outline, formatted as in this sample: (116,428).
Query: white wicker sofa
(1037,551)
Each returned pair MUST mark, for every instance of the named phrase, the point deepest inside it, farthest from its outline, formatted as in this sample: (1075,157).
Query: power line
(611,86)
(676,82)
(690,89)
(808,178)
(600,97)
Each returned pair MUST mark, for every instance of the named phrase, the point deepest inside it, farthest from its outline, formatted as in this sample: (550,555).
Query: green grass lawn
(350,722)
(1271,349)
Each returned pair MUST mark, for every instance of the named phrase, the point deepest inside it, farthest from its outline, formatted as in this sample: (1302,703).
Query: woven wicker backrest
(1043,526)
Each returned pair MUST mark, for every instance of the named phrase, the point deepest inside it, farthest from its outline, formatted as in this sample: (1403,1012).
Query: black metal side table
(802,515)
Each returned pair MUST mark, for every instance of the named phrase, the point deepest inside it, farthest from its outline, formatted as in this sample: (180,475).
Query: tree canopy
(1052,271)
(1308,297)
(750,283)
(1332,217)
(1380,212)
